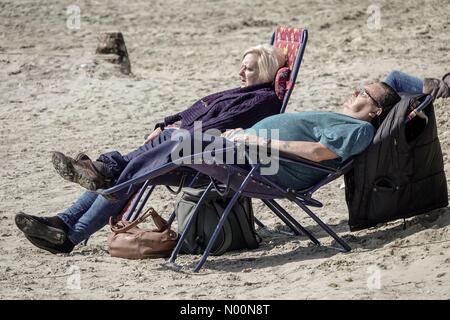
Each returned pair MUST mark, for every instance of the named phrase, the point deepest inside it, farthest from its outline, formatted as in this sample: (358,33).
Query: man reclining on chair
(326,137)
(317,136)
(254,100)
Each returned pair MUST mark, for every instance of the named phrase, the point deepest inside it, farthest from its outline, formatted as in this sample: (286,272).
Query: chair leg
(136,212)
(193,181)
(327,229)
(282,217)
(171,217)
(216,232)
(223,218)
(291,222)
(143,202)
(177,248)
(260,224)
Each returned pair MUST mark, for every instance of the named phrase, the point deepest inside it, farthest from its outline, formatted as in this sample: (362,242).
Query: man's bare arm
(314,151)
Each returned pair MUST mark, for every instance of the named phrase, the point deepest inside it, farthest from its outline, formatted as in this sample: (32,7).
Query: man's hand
(229,133)
(153,135)
(248,139)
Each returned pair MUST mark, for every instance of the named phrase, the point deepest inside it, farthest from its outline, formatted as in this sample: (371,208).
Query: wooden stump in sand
(111,48)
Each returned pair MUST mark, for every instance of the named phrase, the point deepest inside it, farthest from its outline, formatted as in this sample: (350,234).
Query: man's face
(362,104)
(248,73)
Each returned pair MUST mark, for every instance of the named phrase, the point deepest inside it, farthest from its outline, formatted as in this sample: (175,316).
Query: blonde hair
(270,59)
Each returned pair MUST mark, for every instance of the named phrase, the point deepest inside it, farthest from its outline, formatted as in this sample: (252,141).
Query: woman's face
(248,73)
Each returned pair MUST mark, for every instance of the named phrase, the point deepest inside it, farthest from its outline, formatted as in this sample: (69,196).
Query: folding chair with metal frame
(250,182)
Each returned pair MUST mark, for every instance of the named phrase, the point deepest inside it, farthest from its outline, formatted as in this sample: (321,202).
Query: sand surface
(52,97)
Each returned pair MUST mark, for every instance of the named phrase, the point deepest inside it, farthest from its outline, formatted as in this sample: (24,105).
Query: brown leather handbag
(129,241)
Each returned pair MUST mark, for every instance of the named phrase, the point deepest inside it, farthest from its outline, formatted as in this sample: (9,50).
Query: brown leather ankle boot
(81,170)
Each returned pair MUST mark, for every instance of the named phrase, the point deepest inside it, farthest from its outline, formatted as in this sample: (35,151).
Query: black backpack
(238,231)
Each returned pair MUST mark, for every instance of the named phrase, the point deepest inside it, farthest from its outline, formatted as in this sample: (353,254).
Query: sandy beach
(53,97)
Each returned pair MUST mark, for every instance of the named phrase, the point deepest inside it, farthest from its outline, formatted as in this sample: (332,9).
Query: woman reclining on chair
(254,100)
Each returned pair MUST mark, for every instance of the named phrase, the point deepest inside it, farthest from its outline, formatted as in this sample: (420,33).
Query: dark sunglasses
(363,93)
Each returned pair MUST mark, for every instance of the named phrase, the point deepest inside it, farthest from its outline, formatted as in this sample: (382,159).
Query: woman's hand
(174,125)
(153,135)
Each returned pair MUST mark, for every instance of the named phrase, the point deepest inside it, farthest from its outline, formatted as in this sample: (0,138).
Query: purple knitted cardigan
(235,108)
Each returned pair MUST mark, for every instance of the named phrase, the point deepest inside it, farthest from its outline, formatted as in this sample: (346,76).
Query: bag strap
(160,223)
(227,230)
(180,186)
(246,223)
(200,225)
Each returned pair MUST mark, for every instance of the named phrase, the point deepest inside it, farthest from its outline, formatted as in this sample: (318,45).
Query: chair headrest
(289,40)
(282,82)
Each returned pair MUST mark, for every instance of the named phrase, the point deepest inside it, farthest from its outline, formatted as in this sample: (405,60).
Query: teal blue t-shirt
(344,135)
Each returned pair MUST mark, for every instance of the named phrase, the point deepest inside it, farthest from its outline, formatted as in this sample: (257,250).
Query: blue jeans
(89,214)
(403,82)
(115,162)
